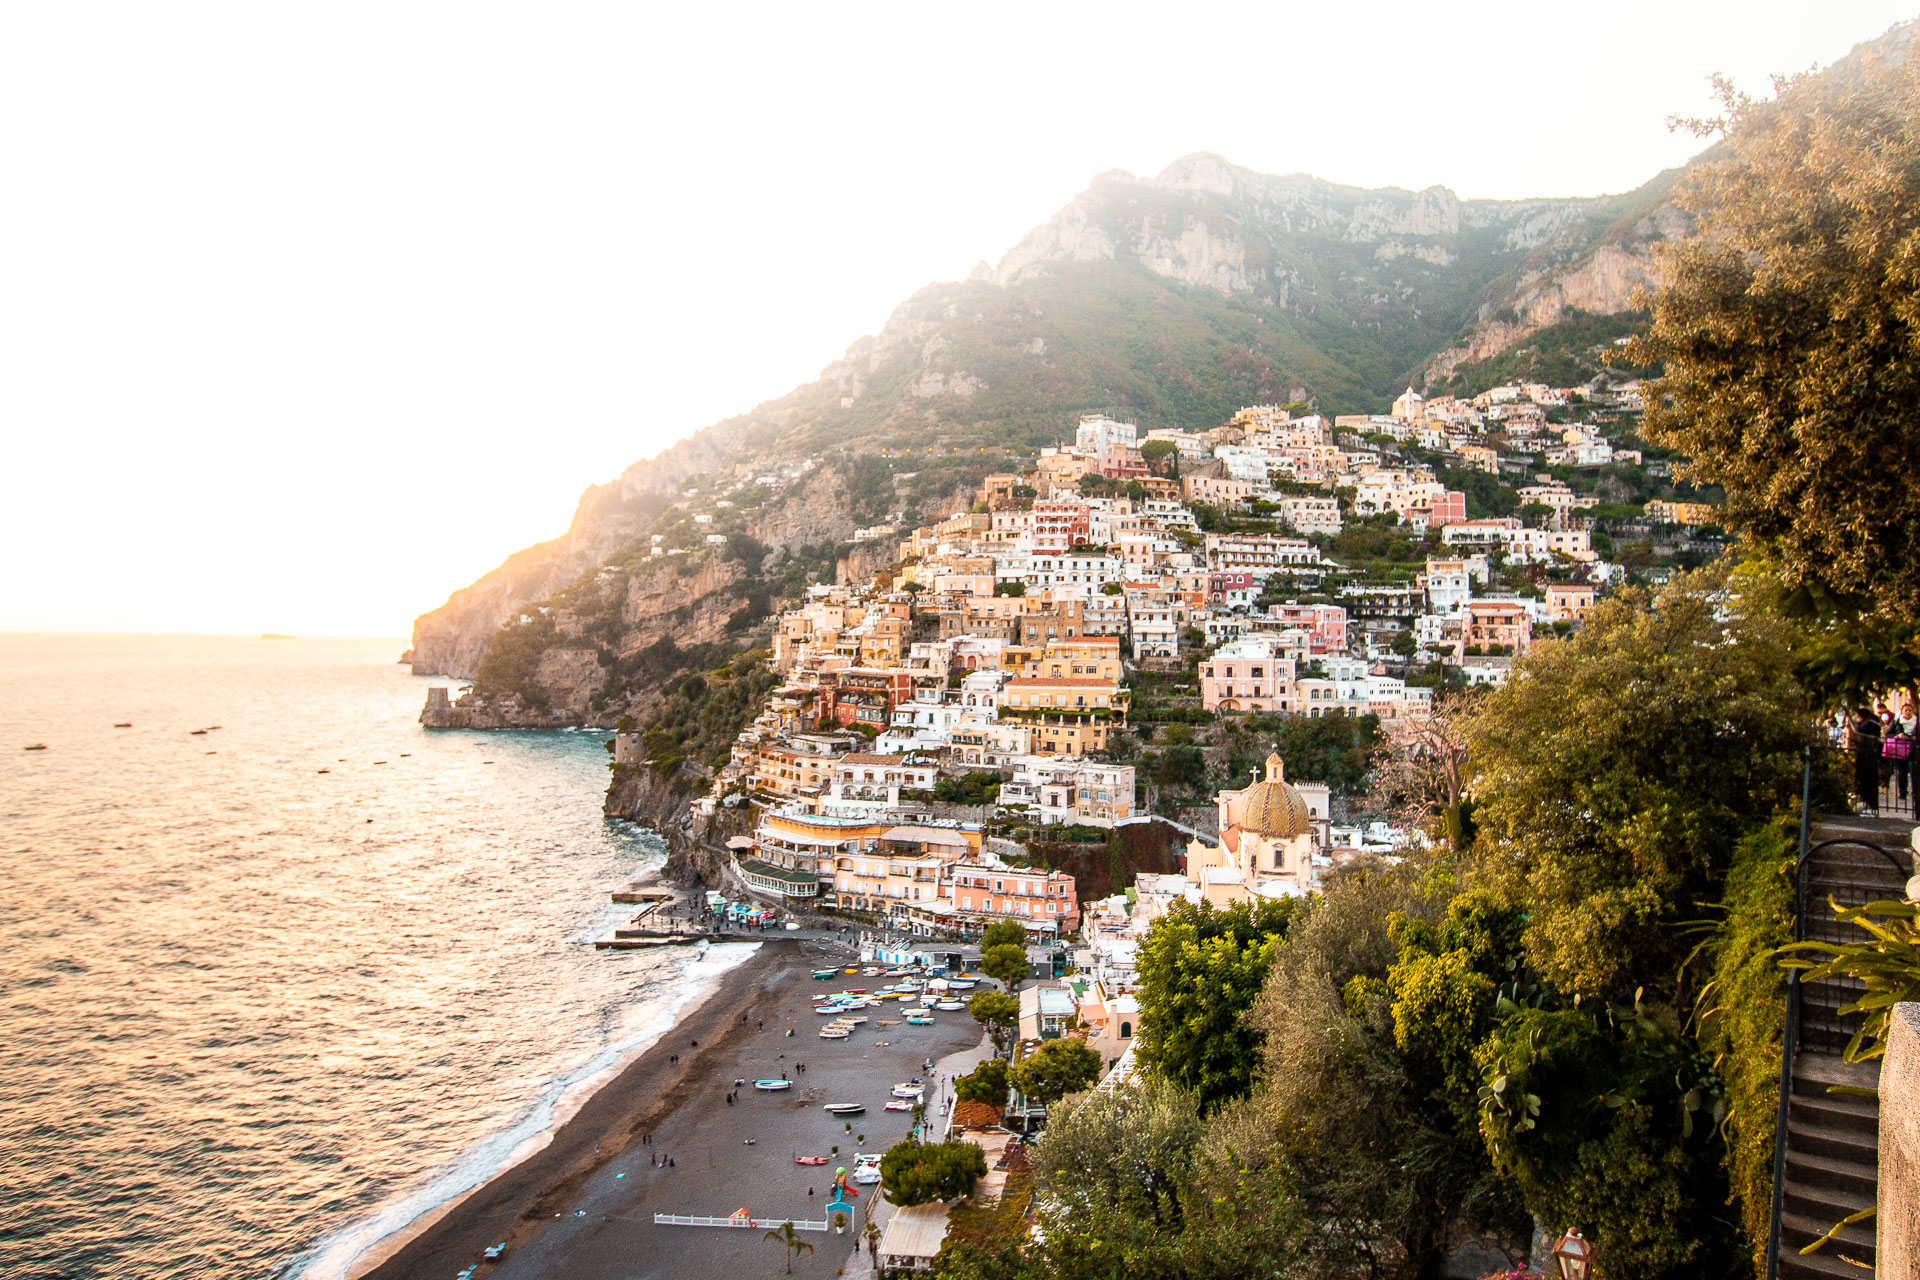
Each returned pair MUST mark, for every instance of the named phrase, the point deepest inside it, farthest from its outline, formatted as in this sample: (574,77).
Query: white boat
(949,1005)
(845,1108)
(898,1105)
(854,1022)
(772,1086)
(919,1021)
(906,1091)
(866,1172)
(833,1033)
(828,1008)
(959,984)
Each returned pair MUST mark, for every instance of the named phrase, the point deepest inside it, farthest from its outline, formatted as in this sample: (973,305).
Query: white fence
(763,1224)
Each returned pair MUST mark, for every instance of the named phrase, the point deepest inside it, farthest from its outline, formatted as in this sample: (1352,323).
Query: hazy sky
(311,314)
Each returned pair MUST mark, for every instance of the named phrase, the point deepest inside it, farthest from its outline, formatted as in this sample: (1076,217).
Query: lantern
(1574,1255)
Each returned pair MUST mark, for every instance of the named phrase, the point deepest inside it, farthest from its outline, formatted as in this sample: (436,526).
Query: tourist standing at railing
(1864,740)
(1897,751)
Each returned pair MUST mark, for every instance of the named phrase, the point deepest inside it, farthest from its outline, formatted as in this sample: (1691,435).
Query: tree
(995,1010)
(1420,774)
(1054,1069)
(916,1173)
(787,1236)
(1005,963)
(1004,933)
(1614,770)
(1367,1093)
(1200,970)
(985,1083)
(1789,327)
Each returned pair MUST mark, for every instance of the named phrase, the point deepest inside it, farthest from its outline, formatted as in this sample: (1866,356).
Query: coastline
(595,1118)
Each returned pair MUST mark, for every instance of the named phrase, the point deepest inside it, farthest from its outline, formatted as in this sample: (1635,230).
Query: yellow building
(1687,513)
(1069,716)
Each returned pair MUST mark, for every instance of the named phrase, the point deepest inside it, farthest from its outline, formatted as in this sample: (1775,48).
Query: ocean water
(253,1015)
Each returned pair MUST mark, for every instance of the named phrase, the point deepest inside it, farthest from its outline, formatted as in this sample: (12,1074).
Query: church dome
(1271,807)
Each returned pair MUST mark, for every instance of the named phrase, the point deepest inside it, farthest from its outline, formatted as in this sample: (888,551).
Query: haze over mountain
(1168,301)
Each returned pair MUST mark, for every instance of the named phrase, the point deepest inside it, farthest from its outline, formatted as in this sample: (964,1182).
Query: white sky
(310,314)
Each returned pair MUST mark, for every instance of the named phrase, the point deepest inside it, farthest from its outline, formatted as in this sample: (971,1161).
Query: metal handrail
(1789,1040)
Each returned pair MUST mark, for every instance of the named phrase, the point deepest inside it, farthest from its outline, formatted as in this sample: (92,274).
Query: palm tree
(787,1236)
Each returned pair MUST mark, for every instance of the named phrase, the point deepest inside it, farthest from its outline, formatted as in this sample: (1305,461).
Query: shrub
(912,1173)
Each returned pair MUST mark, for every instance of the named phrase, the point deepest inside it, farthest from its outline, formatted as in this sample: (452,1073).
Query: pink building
(1498,622)
(1325,624)
(1059,525)
(982,894)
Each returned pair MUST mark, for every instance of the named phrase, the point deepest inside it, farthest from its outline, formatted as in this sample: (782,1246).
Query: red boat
(809,1159)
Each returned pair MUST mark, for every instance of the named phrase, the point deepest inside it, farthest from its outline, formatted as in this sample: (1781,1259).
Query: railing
(1790,1036)
(764,1224)
(1880,785)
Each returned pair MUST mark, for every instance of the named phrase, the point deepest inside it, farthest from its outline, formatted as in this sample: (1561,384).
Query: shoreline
(595,1119)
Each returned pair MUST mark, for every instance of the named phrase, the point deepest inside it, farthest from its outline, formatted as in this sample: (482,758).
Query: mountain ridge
(1170,300)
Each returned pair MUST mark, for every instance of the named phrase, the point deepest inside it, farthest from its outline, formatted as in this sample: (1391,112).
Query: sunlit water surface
(252,1013)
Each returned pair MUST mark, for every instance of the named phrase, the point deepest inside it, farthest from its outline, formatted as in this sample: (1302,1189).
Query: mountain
(1168,301)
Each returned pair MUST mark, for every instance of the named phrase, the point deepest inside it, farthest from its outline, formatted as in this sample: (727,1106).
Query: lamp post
(1574,1255)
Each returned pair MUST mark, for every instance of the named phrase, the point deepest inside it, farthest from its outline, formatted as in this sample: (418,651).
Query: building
(982,892)
(1505,623)
(1270,831)
(1047,1011)
(1568,601)
(878,777)
(1068,716)
(1312,515)
(1247,675)
(1687,513)
(1261,554)
(1069,791)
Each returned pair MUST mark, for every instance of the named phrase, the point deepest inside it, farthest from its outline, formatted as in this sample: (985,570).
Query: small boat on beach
(833,1007)
(772,1086)
(898,1105)
(809,1159)
(853,1022)
(823,974)
(948,1005)
(960,984)
(834,1033)
(845,1108)
(919,1020)
(909,1090)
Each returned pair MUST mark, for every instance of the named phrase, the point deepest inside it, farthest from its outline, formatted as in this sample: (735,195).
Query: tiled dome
(1272,808)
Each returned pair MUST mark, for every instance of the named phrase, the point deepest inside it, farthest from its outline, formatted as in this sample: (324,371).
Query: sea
(272,991)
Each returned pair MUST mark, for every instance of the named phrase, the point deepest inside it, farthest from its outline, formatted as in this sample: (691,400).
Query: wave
(338,1256)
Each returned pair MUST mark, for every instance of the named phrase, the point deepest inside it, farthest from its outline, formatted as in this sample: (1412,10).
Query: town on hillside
(1082,657)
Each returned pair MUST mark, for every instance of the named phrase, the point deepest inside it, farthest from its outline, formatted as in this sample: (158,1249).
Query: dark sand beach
(583,1206)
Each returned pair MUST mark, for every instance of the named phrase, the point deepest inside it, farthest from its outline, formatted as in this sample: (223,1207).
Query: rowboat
(898,1105)
(854,1022)
(948,1005)
(772,1086)
(833,1033)
(906,1091)
(959,984)
(845,1108)
(824,974)
(919,1020)
(809,1159)
(827,1008)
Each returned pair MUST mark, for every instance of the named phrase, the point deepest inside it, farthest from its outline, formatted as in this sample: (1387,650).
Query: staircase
(1832,1150)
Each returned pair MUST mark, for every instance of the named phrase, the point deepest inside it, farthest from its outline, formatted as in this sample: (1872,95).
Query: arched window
(1126,1031)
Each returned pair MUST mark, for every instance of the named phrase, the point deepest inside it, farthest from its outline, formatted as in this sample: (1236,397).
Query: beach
(583,1205)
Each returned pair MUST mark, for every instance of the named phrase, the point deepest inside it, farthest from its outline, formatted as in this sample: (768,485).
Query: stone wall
(1899,1218)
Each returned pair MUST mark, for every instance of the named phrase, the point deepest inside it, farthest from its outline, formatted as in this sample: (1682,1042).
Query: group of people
(1881,739)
